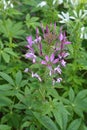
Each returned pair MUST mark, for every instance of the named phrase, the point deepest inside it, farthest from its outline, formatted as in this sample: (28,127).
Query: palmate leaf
(11,29)
(31,21)
(45,121)
(80,103)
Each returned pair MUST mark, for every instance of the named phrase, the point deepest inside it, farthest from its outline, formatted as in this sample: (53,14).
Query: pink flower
(63,39)
(49,60)
(37,40)
(58,80)
(57,69)
(36,76)
(31,56)
(63,63)
(54,59)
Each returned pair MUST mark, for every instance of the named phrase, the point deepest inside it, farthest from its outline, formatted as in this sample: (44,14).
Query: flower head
(65,17)
(50,50)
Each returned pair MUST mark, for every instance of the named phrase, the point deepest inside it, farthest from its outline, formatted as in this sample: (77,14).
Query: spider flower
(49,48)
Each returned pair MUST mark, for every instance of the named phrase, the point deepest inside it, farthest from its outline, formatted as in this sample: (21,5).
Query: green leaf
(82,94)
(71,95)
(30,2)
(7,78)
(75,125)
(20,106)
(45,121)
(6,57)
(78,111)
(70,47)
(11,29)
(4,101)
(18,78)
(32,21)
(53,92)
(20,97)
(80,103)
(32,127)
(25,124)
(5,127)
(61,116)
(27,91)
(10,51)
(5,87)
(23,83)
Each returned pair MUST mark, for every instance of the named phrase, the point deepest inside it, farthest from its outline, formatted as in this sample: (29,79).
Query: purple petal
(67,42)
(47,58)
(37,40)
(52,57)
(27,55)
(43,62)
(29,39)
(65,54)
(61,36)
(55,61)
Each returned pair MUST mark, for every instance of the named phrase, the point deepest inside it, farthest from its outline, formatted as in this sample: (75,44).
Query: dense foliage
(43,65)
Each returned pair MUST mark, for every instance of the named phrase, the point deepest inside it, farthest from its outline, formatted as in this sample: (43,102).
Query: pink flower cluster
(51,51)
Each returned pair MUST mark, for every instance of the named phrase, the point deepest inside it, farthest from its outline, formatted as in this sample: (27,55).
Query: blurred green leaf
(5,101)
(61,116)
(45,121)
(18,78)
(6,57)
(4,127)
(5,87)
(71,95)
(75,125)
(7,78)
